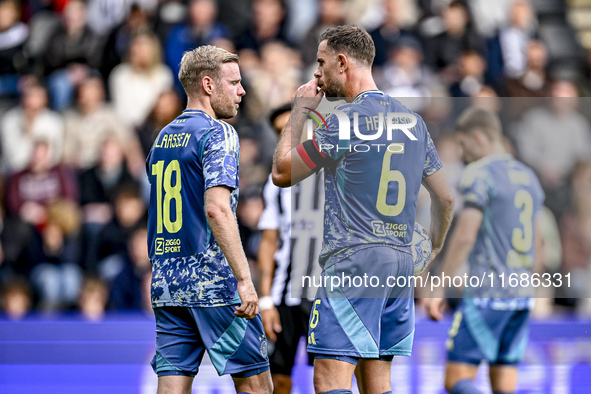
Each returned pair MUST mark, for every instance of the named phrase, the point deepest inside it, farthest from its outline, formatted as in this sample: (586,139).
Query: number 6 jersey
(190,155)
(372,178)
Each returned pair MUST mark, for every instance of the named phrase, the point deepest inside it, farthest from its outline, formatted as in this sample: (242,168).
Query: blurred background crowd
(85,87)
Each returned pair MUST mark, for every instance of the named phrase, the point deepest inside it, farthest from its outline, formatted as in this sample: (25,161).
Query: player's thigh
(503,378)
(514,338)
(236,346)
(347,316)
(174,384)
(473,335)
(255,384)
(373,376)
(333,374)
(456,372)
(179,346)
(398,315)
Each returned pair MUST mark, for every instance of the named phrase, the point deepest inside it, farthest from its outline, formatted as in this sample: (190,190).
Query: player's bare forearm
(266,260)
(282,160)
(442,207)
(288,167)
(462,240)
(539,247)
(225,230)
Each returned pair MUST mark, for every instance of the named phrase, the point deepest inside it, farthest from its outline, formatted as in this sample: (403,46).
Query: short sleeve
(475,189)
(326,138)
(270,217)
(323,148)
(432,162)
(220,157)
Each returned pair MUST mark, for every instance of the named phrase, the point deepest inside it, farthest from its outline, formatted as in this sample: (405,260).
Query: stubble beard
(223,107)
(332,88)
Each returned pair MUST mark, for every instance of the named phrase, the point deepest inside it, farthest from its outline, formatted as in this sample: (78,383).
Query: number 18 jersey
(193,153)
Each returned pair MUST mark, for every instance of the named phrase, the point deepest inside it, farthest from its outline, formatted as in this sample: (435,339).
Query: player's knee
(462,387)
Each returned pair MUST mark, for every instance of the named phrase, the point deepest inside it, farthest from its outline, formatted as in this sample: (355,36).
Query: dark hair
(277,112)
(351,40)
(477,118)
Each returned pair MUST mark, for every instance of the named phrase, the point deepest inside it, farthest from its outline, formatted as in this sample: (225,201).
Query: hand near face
(309,94)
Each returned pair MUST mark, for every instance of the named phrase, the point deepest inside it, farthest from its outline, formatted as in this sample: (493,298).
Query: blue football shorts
(374,320)
(497,336)
(236,346)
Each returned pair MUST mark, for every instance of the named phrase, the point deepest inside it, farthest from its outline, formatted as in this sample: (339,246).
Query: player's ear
(207,84)
(342,62)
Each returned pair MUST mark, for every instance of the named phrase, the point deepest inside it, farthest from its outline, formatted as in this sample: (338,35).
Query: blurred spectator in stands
(119,40)
(16,298)
(104,15)
(27,123)
(443,50)
(506,51)
(93,298)
(30,191)
(99,186)
(404,75)
(534,80)
(136,84)
(278,77)
(267,25)
(71,53)
(54,274)
(472,68)
(386,36)
(200,28)
(331,14)
(552,139)
(89,124)
(575,233)
(489,16)
(130,212)
(29,194)
(13,36)
(167,108)
(489,100)
(126,291)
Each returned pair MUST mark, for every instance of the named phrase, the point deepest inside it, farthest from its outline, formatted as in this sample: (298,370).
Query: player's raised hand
(271,323)
(250,301)
(310,94)
(435,307)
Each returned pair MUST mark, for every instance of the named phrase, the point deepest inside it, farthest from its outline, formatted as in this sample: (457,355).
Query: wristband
(266,303)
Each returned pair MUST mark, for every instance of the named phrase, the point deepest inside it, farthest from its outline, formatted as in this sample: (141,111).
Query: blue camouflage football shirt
(193,153)
(371,185)
(510,197)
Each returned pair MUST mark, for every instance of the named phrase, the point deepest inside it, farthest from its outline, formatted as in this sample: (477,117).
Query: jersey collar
(367,93)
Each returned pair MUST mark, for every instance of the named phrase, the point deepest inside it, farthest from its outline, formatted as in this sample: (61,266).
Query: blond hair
(201,62)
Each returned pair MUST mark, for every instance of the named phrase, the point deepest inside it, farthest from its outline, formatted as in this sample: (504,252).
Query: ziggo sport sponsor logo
(163,246)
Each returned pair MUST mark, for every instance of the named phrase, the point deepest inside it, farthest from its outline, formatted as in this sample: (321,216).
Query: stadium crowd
(85,87)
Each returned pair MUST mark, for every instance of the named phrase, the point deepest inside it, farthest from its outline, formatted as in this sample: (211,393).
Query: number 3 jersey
(510,197)
(190,155)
